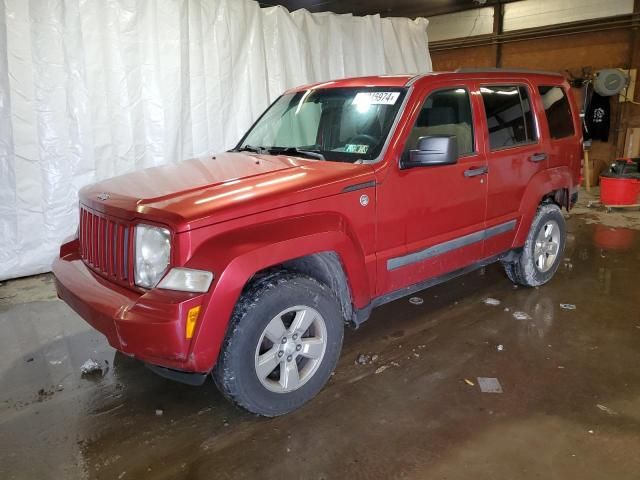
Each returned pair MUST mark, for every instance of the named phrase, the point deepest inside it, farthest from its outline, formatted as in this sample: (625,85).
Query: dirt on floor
(405,401)
(594,213)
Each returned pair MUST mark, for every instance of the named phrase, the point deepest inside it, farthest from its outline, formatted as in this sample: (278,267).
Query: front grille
(105,245)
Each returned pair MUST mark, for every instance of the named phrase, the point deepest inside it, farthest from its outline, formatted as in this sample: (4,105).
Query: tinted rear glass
(558,111)
(509,116)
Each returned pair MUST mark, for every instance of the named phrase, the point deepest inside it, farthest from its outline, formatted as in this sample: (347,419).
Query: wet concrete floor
(570,406)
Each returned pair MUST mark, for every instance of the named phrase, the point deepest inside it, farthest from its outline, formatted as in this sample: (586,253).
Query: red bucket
(619,191)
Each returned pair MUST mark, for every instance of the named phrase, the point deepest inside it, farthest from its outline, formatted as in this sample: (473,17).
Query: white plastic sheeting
(92,89)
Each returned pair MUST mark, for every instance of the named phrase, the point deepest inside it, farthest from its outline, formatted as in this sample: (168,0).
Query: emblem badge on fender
(364,200)
(103,196)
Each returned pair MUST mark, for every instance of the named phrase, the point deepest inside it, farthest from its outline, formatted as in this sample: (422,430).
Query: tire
(529,268)
(252,344)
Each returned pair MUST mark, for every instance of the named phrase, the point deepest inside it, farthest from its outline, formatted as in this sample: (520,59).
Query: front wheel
(283,342)
(542,251)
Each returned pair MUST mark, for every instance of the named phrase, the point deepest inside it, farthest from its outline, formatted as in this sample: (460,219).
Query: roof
(371,81)
(406,80)
(507,70)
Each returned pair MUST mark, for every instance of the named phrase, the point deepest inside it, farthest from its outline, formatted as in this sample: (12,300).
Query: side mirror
(433,150)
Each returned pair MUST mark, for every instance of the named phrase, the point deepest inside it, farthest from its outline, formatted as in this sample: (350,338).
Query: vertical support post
(498,15)
(586,170)
(625,109)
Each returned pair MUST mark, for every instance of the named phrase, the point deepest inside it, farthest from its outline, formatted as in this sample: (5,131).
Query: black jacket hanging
(598,118)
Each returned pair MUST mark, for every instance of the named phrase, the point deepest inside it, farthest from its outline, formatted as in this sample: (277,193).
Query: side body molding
(454,244)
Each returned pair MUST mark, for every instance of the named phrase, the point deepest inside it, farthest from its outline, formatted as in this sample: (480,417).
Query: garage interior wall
(575,34)
(90,90)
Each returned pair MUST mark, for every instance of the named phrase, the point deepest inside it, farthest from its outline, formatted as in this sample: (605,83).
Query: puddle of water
(416,419)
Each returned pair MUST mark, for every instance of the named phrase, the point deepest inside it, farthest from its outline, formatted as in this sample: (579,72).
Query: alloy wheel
(547,246)
(291,349)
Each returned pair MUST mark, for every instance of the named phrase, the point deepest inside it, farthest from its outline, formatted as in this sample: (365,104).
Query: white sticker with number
(353,148)
(376,98)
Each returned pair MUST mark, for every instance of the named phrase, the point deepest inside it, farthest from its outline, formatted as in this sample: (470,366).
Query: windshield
(338,124)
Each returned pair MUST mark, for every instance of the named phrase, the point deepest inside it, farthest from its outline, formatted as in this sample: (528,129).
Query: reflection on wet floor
(569,408)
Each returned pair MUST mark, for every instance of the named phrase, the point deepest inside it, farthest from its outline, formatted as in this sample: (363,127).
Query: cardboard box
(632,143)
(596,167)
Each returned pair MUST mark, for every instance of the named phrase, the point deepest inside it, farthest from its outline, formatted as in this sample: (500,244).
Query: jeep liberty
(341,197)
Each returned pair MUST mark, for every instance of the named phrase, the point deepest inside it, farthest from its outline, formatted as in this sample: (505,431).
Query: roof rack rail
(505,70)
(415,78)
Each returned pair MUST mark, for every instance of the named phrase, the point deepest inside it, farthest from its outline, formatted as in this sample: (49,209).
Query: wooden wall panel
(605,49)
(448,60)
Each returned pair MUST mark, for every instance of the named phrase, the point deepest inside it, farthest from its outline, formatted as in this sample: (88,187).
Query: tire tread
(522,271)
(249,299)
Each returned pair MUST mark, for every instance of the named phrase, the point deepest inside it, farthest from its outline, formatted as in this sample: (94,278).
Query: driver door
(442,206)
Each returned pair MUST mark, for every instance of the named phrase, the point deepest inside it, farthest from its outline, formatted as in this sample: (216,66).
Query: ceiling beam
(561,29)
(386,8)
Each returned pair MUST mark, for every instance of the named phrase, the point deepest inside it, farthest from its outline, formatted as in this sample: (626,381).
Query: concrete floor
(570,406)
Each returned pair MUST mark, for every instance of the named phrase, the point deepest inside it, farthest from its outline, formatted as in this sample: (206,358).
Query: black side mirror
(433,150)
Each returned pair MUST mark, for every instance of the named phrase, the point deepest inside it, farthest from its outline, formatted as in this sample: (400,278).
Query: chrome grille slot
(104,245)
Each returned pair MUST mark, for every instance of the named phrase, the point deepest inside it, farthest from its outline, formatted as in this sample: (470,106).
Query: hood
(209,190)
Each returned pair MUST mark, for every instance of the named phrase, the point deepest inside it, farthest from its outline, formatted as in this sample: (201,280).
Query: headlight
(153,248)
(187,280)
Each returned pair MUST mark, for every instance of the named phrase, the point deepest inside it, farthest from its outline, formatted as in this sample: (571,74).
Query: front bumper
(149,326)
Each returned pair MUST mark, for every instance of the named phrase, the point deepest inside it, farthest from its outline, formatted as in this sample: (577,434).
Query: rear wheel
(283,343)
(543,249)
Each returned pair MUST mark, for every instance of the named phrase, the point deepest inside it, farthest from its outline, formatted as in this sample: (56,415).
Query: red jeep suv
(343,196)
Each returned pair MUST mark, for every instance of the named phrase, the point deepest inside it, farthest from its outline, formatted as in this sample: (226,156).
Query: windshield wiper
(251,148)
(298,151)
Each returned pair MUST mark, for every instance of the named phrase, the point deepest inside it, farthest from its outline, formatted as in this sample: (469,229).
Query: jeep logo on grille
(104,196)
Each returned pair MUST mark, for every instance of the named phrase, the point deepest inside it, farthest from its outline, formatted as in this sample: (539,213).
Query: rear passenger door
(514,155)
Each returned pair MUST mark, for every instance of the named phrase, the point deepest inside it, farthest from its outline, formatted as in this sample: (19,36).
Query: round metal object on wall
(610,81)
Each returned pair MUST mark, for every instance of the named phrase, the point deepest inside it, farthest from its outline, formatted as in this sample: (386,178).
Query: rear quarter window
(558,111)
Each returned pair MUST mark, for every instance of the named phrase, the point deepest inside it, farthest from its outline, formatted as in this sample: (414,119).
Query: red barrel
(619,191)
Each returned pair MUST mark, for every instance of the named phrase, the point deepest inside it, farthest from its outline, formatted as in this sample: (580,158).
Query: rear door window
(558,111)
(509,116)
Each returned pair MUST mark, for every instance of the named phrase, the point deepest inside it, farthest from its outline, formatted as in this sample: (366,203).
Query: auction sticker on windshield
(353,148)
(376,98)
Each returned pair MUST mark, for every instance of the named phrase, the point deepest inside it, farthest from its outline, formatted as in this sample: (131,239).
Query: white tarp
(93,89)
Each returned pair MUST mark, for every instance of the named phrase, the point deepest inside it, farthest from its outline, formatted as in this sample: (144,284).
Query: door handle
(474,172)
(538,157)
